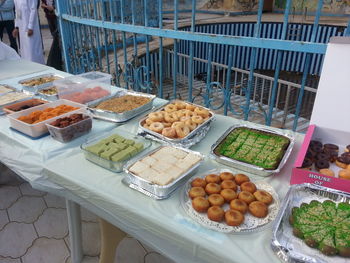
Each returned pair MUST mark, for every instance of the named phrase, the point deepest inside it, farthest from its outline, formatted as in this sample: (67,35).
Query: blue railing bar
(190,62)
(160,15)
(147,49)
(307,66)
(97,36)
(278,64)
(287,45)
(176,59)
(347,30)
(313,13)
(228,80)
(122,5)
(114,45)
(64,38)
(253,62)
(212,12)
(133,11)
(105,36)
(207,92)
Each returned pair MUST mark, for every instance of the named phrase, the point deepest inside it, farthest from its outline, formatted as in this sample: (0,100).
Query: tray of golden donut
(158,173)
(231,203)
(33,84)
(313,225)
(121,106)
(178,122)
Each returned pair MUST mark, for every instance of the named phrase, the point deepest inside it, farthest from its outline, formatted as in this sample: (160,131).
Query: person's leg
(2,26)
(10,26)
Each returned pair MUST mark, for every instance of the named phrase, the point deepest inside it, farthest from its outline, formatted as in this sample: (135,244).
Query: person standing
(7,17)
(49,8)
(27,27)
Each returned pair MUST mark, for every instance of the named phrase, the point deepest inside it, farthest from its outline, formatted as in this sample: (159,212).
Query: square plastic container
(97,76)
(70,132)
(82,92)
(16,107)
(107,164)
(38,82)
(38,129)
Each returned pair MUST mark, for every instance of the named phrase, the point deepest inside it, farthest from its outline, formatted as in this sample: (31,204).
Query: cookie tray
(153,190)
(120,117)
(290,248)
(192,138)
(250,168)
(34,89)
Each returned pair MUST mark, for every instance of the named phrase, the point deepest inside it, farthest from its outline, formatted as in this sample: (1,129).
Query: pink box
(325,135)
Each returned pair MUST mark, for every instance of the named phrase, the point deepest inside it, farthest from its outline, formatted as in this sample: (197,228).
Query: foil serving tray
(33,89)
(250,168)
(293,249)
(120,117)
(192,138)
(153,190)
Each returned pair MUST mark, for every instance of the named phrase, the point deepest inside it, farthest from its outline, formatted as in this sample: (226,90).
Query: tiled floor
(33,229)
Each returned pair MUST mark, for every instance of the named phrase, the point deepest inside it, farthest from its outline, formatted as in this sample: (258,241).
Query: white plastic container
(38,129)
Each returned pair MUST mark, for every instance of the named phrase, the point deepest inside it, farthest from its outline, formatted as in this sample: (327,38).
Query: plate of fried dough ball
(177,120)
(225,201)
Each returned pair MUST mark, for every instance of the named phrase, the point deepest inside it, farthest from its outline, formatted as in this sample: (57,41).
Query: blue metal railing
(130,40)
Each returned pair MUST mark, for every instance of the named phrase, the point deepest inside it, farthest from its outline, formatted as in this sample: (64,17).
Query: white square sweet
(149,174)
(138,167)
(184,165)
(192,158)
(179,154)
(169,159)
(161,166)
(174,172)
(149,160)
(162,179)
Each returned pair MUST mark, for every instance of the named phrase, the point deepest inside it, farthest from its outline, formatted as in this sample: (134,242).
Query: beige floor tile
(130,251)
(8,195)
(55,201)
(155,257)
(26,189)
(88,259)
(46,250)
(91,238)
(9,260)
(52,223)
(3,218)
(27,209)
(16,238)
(86,215)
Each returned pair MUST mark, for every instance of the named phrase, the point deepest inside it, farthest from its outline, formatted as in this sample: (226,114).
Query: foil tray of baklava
(164,123)
(260,151)
(34,84)
(313,225)
(159,172)
(121,106)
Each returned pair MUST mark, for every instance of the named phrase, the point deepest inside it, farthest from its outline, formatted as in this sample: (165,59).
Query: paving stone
(88,259)
(155,257)
(86,215)
(91,238)
(52,223)
(8,195)
(130,251)
(46,250)
(26,189)
(55,201)
(9,260)
(3,218)
(8,177)
(16,238)
(27,209)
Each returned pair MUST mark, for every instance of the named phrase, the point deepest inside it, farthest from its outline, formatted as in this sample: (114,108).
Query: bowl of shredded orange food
(42,115)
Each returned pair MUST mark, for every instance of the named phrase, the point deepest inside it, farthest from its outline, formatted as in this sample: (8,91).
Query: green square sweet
(108,154)
(138,146)
(129,142)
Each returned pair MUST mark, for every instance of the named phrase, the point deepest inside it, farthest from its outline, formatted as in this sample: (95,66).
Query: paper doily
(250,223)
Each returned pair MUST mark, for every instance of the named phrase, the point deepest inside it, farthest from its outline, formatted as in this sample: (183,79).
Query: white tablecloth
(164,224)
